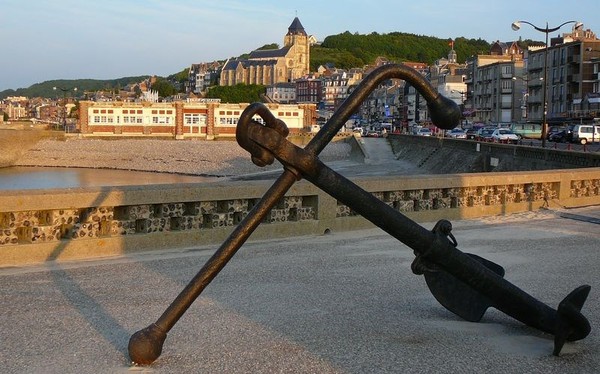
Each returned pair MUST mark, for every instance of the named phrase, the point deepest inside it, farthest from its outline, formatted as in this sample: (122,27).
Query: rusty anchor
(465,284)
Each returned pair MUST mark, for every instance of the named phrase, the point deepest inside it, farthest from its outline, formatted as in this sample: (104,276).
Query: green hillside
(348,50)
(45,89)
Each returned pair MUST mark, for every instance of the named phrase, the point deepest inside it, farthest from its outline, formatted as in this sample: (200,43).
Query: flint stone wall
(88,222)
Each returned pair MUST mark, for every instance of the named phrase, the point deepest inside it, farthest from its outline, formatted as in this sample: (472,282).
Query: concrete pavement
(338,303)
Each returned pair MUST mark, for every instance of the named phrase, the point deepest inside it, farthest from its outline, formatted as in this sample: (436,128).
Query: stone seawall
(444,156)
(39,226)
(15,140)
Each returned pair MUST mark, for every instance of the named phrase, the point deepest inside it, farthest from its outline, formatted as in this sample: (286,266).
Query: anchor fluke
(571,324)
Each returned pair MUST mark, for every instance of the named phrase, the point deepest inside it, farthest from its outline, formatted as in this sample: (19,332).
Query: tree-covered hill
(46,89)
(355,50)
(347,50)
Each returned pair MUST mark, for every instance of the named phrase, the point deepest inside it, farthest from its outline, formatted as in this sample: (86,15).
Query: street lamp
(516,26)
(463,98)
(525,93)
(64,91)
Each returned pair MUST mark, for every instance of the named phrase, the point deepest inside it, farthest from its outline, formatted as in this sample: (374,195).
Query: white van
(586,134)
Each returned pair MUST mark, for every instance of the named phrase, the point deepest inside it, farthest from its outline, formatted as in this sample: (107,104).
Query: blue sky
(76,39)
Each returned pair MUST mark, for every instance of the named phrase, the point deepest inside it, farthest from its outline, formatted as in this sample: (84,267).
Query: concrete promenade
(337,303)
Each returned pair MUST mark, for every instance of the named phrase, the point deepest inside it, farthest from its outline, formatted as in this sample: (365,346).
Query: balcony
(573,59)
(535,83)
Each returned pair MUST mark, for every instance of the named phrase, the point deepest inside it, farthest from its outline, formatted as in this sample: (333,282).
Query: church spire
(296,28)
(452,53)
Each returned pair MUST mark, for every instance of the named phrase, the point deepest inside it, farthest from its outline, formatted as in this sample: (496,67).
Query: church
(271,66)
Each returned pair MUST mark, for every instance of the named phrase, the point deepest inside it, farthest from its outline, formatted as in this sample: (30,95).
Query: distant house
(201,76)
(284,93)
(270,66)
(499,48)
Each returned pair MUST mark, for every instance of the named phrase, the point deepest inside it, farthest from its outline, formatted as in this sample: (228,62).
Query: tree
(269,46)
(164,87)
(241,93)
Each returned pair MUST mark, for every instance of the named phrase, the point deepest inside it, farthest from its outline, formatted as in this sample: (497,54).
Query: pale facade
(204,118)
(496,86)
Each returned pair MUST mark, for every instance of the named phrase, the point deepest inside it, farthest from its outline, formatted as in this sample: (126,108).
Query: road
(595,147)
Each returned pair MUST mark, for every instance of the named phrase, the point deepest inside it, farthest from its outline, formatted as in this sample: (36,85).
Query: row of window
(130,120)
(132,111)
(226,118)
(188,119)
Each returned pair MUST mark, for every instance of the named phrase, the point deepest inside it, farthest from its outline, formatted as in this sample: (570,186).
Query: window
(162,120)
(194,119)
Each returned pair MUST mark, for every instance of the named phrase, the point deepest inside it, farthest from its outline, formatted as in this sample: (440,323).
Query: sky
(109,39)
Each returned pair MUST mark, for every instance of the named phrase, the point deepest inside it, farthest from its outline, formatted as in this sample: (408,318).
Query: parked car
(424,131)
(456,134)
(484,135)
(586,133)
(554,130)
(563,136)
(504,136)
(471,134)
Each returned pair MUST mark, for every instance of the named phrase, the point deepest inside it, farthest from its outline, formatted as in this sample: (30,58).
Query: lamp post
(463,98)
(547,30)
(64,91)
(525,94)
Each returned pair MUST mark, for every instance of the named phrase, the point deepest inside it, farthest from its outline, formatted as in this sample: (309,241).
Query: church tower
(298,60)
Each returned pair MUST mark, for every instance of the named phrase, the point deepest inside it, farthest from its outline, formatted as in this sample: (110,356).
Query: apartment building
(337,85)
(497,96)
(573,80)
(309,90)
(15,107)
(507,86)
(496,91)
(284,93)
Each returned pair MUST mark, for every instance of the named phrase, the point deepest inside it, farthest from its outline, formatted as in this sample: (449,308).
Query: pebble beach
(223,158)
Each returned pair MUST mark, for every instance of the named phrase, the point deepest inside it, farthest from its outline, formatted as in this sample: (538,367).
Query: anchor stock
(265,143)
